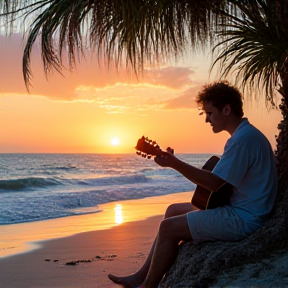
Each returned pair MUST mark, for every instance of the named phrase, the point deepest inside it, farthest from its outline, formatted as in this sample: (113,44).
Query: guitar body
(204,198)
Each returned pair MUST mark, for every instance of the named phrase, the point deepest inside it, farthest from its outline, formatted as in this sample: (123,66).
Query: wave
(33,218)
(113,180)
(68,167)
(55,186)
(36,207)
(30,182)
(40,182)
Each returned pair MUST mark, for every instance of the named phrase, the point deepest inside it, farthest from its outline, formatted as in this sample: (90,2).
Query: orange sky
(83,111)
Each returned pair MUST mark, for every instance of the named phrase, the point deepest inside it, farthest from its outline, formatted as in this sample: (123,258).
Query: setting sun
(115,141)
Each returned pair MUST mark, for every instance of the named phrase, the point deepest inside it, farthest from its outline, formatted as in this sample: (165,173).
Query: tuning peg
(170,150)
(149,156)
(138,152)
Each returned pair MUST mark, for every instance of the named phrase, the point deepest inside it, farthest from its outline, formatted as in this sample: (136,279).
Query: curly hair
(220,94)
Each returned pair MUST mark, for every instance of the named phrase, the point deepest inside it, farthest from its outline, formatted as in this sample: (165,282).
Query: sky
(82,110)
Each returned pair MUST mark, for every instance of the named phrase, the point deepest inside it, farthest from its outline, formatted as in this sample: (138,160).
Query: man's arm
(198,176)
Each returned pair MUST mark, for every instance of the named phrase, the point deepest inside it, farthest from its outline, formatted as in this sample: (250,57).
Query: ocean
(36,187)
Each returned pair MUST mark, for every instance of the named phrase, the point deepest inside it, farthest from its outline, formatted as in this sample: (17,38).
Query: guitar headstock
(147,148)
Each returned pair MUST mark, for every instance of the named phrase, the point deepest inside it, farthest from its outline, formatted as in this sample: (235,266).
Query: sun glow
(118,214)
(115,141)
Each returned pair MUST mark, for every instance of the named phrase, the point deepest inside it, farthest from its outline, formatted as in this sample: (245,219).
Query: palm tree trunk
(282,140)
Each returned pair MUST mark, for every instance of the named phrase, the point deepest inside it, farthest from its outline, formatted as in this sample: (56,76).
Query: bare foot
(127,282)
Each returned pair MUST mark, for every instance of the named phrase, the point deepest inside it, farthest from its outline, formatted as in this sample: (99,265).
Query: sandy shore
(95,245)
(109,247)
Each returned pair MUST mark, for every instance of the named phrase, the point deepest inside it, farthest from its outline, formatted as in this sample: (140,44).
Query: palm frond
(135,31)
(254,49)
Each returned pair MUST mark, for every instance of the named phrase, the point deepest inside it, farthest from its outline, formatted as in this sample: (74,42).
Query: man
(247,163)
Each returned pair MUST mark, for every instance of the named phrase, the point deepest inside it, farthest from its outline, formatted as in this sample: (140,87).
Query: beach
(80,251)
(106,247)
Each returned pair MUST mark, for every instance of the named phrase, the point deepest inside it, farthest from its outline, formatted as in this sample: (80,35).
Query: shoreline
(24,237)
(95,242)
(20,237)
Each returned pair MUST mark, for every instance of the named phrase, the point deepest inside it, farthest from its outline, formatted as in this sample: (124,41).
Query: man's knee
(176,209)
(171,211)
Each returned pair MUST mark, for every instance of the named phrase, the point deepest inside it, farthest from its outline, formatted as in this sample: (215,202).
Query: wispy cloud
(112,90)
(185,100)
(170,77)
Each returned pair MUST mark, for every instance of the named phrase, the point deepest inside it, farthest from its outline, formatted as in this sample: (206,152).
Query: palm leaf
(254,49)
(133,31)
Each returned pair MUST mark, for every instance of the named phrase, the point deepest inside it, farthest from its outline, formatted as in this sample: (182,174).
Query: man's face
(217,119)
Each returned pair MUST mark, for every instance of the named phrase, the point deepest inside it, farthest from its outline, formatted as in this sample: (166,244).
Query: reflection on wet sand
(118,214)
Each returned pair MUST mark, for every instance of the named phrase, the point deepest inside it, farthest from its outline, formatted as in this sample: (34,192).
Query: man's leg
(177,209)
(138,278)
(171,232)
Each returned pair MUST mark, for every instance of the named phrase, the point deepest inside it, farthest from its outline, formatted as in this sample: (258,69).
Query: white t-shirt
(248,163)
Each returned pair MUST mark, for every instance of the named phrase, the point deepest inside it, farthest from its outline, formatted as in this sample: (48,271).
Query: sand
(106,248)
(96,245)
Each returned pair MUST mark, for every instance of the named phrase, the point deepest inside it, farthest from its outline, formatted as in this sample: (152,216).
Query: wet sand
(94,245)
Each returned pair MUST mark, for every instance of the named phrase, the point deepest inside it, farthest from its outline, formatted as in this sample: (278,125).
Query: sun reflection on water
(118,214)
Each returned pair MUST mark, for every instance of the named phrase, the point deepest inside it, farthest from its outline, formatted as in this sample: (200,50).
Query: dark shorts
(219,224)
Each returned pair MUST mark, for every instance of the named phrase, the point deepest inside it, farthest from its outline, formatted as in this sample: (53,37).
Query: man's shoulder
(248,139)
(247,130)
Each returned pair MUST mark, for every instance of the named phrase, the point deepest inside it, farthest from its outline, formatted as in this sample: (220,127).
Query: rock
(72,263)
(200,265)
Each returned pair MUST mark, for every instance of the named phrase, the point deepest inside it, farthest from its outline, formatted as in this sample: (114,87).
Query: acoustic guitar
(206,199)
(202,197)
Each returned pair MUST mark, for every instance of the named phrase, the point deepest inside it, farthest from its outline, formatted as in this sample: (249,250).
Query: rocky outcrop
(199,265)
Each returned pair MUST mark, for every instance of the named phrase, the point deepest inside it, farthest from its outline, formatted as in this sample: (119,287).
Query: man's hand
(165,160)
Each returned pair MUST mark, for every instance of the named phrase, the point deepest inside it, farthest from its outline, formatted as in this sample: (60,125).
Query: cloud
(185,101)
(87,74)
(132,99)
(122,98)
(171,77)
